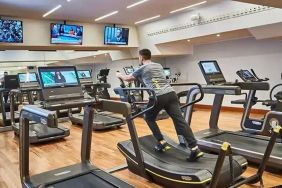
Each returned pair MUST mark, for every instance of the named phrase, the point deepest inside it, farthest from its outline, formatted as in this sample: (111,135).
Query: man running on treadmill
(152,75)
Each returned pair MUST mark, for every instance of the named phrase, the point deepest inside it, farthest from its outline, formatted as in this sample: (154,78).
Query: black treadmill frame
(38,115)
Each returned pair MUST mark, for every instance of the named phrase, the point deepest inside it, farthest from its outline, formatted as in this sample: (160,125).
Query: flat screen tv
(116,35)
(11,31)
(66,34)
(54,77)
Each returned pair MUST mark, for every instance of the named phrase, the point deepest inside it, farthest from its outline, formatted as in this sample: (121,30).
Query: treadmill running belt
(108,120)
(84,181)
(178,157)
(246,143)
(42,131)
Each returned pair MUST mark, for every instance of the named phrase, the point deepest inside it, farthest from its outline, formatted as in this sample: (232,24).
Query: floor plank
(105,154)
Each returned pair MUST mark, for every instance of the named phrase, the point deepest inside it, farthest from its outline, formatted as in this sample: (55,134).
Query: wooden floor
(104,151)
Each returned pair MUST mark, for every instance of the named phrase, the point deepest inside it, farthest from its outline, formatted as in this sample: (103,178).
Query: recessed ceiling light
(68,0)
(190,6)
(218,35)
(147,19)
(188,40)
(51,11)
(137,3)
(107,15)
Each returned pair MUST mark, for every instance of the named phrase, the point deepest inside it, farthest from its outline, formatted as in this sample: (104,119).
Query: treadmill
(10,82)
(82,174)
(102,120)
(38,132)
(170,168)
(251,146)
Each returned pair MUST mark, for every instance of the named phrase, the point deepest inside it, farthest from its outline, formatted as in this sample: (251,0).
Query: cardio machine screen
(247,75)
(84,74)
(210,68)
(128,70)
(27,77)
(53,77)
(167,72)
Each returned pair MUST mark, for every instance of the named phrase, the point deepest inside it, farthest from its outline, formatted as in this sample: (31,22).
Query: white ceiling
(88,10)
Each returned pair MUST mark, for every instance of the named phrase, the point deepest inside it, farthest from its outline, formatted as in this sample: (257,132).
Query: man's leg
(150,118)
(182,129)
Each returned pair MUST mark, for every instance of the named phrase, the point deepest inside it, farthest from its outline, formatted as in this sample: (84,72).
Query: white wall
(264,56)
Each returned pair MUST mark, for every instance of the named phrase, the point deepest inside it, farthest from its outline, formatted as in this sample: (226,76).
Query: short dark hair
(145,53)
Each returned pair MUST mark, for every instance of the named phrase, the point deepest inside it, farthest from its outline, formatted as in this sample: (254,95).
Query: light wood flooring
(105,154)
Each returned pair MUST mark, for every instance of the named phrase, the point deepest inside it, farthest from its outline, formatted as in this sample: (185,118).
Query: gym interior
(84,82)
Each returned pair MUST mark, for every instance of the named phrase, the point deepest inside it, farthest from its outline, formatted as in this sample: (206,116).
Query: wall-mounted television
(116,35)
(11,31)
(66,34)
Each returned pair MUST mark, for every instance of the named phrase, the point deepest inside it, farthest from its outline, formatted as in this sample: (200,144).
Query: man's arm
(127,78)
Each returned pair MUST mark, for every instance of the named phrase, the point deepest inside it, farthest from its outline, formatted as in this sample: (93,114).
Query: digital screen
(27,77)
(116,36)
(66,34)
(167,72)
(84,74)
(128,70)
(58,76)
(210,68)
(247,75)
(11,31)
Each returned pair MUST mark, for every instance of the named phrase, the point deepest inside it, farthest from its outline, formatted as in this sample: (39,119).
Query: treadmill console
(28,80)
(246,76)
(212,72)
(60,83)
(128,70)
(85,76)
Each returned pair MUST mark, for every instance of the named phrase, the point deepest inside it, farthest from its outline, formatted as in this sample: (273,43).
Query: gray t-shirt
(152,75)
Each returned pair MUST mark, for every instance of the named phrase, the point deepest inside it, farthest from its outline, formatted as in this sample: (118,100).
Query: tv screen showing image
(27,77)
(167,72)
(84,74)
(11,31)
(66,34)
(116,36)
(210,68)
(58,77)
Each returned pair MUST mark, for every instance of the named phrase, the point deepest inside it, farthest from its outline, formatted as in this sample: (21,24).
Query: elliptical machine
(102,84)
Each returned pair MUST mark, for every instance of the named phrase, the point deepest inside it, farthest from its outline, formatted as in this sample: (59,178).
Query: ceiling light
(188,40)
(51,11)
(190,6)
(147,19)
(105,16)
(137,3)
(218,35)
(68,0)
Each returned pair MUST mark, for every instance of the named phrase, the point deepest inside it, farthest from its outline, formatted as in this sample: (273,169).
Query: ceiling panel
(88,10)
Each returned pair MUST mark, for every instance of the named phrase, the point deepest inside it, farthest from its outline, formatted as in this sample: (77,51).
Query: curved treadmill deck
(171,168)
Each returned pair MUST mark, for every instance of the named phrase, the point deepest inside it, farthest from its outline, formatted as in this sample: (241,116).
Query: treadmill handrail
(194,101)
(30,113)
(140,89)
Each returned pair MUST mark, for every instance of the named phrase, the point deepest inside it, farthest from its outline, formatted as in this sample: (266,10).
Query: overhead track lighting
(190,6)
(137,3)
(147,19)
(51,11)
(107,15)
